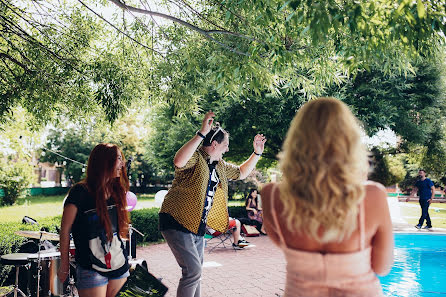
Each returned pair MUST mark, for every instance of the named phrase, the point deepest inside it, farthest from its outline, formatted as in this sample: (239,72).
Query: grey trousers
(188,250)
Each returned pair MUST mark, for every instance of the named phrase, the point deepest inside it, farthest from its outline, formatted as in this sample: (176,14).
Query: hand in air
(206,125)
(259,143)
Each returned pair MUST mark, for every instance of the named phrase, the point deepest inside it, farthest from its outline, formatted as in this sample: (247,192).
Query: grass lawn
(50,206)
(411,212)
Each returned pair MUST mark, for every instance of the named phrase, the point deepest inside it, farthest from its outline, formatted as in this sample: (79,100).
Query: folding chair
(216,239)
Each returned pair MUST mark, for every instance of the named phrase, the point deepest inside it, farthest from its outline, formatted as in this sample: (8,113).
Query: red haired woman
(95,212)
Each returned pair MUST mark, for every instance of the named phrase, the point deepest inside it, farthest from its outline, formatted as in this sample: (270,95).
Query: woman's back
(343,268)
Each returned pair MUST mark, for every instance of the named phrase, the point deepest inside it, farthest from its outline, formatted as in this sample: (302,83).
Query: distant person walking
(426,192)
(199,196)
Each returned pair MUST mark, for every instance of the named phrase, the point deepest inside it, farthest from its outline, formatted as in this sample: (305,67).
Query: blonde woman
(333,226)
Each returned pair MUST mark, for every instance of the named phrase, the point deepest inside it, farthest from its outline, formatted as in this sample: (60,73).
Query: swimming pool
(419,268)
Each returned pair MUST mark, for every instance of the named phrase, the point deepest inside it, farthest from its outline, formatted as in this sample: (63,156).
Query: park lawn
(50,206)
(411,212)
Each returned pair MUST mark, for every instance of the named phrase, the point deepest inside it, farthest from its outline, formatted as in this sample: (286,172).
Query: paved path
(258,270)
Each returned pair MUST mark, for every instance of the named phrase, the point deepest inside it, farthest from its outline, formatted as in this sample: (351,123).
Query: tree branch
(15,61)
(120,31)
(200,15)
(203,32)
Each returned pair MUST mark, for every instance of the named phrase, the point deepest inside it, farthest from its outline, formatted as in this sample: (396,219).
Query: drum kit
(42,267)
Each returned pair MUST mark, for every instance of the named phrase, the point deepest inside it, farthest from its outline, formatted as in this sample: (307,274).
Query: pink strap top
(330,274)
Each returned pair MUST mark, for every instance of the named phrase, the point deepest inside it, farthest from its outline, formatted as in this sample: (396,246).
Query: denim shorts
(87,279)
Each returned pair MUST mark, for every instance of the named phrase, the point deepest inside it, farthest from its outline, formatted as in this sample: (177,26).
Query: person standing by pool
(333,226)
(426,192)
(198,196)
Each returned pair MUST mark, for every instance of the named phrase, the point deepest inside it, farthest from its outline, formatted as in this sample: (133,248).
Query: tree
(71,58)
(387,169)
(256,45)
(17,141)
(15,177)
(54,60)
(409,104)
(71,144)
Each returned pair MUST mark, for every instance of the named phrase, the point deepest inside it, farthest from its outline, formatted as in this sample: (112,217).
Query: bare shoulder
(375,195)
(267,190)
(375,189)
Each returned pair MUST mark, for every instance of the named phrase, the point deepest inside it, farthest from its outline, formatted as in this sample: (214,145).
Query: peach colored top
(329,275)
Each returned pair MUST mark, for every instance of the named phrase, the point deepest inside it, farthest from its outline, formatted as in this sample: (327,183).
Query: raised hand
(259,143)
(206,125)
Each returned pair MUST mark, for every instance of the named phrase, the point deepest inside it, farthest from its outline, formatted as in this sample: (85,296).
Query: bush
(146,222)
(387,169)
(237,211)
(14,179)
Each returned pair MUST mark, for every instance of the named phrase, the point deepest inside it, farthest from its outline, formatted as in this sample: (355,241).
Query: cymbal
(38,235)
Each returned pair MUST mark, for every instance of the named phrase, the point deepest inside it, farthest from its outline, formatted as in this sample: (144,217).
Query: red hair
(101,180)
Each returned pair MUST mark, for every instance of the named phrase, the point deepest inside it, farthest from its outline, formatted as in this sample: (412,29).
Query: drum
(49,284)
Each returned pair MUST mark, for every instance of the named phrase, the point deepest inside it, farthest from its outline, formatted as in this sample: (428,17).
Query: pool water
(419,268)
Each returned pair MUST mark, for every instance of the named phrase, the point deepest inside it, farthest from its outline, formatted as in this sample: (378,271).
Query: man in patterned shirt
(199,196)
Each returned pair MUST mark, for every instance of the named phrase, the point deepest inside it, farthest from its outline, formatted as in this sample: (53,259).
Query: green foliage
(307,44)
(15,177)
(409,104)
(65,64)
(170,133)
(387,169)
(237,211)
(16,149)
(146,221)
(75,64)
(397,171)
(71,143)
(242,117)
(76,140)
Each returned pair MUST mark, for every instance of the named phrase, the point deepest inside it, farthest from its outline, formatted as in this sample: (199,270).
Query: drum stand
(17,260)
(71,291)
(39,265)
(131,229)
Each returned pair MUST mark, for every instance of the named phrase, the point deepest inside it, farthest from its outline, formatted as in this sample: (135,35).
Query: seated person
(235,227)
(254,210)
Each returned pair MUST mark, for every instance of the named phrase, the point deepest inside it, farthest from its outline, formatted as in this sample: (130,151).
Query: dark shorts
(87,279)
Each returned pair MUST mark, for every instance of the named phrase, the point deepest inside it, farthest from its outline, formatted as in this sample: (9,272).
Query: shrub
(14,179)
(146,222)
(237,211)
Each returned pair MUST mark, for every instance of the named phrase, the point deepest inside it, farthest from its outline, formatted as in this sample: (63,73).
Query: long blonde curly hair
(324,166)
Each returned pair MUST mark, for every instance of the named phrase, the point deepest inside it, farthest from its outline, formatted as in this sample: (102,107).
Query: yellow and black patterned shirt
(185,200)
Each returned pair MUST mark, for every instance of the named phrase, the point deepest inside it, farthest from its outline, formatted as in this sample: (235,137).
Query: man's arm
(187,150)
(433,194)
(250,164)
